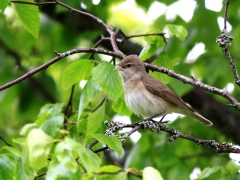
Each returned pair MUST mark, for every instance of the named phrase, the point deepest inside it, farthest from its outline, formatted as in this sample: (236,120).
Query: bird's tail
(200,118)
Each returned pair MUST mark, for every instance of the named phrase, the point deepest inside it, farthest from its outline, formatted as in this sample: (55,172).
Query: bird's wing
(159,89)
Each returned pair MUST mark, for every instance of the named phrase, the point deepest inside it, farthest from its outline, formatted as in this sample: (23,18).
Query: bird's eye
(129,65)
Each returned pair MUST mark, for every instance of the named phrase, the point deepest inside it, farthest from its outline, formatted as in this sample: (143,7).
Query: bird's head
(131,66)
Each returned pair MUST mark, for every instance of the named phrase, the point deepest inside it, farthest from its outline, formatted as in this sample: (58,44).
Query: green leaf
(76,71)
(89,91)
(209,171)
(121,108)
(231,168)
(175,30)
(7,167)
(162,60)
(61,172)
(154,44)
(50,109)
(39,145)
(29,17)
(27,128)
(19,141)
(151,173)
(111,141)
(118,176)
(108,79)
(109,168)
(64,152)
(53,124)
(88,159)
(50,119)
(68,150)
(21,173)
(95,119)
(134,171)
(3,5)
(13,150)
(25,168)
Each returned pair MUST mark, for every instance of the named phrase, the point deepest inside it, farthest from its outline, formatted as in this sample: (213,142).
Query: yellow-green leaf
(108,79)
(112,142)
(3,4)
(28,15)
(162,60)
(76,71)
(151,173)
(175,30)
(39,145)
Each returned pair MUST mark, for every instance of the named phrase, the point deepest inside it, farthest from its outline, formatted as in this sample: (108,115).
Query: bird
(147,96)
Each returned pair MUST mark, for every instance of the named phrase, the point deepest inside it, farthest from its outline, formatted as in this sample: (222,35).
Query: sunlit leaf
(27,128)
(118,176)
(209,171)
(109,168)
(13,150)
(154,44)
(176,30)
(29,17)
(76,71)
(39,145)
(4,4)
(61,172)
(108,79)
(151,173)
(231,168)
(19,141)
(64,153)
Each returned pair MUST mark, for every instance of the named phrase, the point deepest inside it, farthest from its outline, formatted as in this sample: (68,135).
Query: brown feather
(159,89)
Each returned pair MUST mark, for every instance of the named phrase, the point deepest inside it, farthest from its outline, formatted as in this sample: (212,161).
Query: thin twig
(96,108)
(5,142)
(224,42)
(66,111)
(233,66)
(141,35)
(52,61)
(40,175)
(225,14)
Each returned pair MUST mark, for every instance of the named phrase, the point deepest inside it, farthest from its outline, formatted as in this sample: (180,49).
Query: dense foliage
(48,120)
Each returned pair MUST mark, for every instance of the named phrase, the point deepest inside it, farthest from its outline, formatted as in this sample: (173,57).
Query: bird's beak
(119,68)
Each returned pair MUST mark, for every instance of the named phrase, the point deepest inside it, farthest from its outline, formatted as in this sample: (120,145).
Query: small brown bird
(147,96)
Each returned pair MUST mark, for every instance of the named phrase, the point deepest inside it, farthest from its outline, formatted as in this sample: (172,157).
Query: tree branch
(154,126)
(224,42)
(52,61)
(196,83)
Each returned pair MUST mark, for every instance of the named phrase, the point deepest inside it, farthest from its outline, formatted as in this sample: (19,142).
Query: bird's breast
(141,101)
